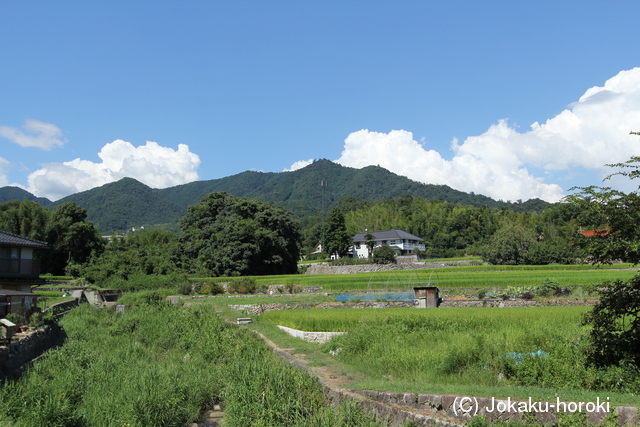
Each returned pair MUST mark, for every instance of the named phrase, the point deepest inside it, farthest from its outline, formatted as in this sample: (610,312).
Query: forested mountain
(128,203)
(123,204)
(16,193)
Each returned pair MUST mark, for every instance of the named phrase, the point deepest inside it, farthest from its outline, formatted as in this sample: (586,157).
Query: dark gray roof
(387,235)
(11,239)
(9,292)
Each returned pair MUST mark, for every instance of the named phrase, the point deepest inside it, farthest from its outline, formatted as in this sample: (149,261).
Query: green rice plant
(530,346)
(460,277)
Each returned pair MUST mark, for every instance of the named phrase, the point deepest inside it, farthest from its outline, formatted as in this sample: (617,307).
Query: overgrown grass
(159,365)
(490,352)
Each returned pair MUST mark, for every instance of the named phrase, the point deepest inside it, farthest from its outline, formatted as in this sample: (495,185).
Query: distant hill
(16,193)
(128,203)
(124,204)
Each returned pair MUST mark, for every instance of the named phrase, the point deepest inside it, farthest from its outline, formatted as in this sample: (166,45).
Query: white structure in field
(400,241)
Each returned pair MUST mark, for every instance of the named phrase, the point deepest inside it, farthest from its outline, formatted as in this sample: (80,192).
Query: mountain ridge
(127,203)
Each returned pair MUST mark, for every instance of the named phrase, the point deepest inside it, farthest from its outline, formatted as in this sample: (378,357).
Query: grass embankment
(466,351)
(160,365)
(48,298)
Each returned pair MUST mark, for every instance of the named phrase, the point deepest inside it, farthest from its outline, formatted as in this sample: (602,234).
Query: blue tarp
(519,357)
(401,296)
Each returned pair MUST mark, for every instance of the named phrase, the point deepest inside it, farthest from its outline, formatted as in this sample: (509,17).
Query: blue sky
(169,92)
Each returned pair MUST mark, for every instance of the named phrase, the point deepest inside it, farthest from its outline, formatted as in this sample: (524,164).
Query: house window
(9,259)
(358,245)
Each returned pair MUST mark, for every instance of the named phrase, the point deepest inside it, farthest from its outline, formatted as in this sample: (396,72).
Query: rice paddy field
(460,277)
(517,351)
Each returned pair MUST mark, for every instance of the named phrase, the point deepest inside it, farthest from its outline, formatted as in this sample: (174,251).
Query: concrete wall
(315,337)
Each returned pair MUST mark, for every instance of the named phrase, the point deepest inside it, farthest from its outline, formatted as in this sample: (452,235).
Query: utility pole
(323,185)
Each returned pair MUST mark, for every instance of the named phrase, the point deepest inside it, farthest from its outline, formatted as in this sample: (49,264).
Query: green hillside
(16,193)
(123,204)
(128,203)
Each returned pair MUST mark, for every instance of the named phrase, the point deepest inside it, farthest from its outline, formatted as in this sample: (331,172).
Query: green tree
(336,239)
(139,258)
(73,239)
(509,245)
(25,218)
(226,235)
(384,255)
(615,321)
(370,243)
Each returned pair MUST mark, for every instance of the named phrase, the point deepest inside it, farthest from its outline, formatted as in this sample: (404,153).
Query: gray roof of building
(393,234)
(11,239)
(9,292)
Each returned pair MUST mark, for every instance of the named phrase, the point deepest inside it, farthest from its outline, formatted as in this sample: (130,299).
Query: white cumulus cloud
(298,165)
(34,134)
(593,132)
(4,165)
(151,164)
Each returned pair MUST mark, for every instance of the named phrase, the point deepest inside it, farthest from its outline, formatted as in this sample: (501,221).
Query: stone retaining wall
(64,306)
(30,346)
(517,302)
(450,405)
(258,309)
(369,268)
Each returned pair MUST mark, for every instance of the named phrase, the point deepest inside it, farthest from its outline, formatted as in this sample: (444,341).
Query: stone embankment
(258,309)
(370,268)
(27,347)
(545,412)
(470,301)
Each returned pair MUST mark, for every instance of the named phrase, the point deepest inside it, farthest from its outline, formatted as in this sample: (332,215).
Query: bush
(246,285)
(384,255)
(185,288)
(211,289)
(482,293)
(549,287)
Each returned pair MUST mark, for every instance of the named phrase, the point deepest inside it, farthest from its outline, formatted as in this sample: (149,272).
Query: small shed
(427,296)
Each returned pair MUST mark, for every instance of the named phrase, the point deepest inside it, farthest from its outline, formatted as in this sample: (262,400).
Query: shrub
(211,289)
(549,287)
(246,285)
(184,288)
(384,255)
(482,293)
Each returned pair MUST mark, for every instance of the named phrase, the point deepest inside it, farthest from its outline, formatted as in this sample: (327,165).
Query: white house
(400,241)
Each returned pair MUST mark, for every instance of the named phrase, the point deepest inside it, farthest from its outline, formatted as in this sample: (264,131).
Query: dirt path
(334,378)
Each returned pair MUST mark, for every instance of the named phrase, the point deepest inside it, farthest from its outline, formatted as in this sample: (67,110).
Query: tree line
(225,235)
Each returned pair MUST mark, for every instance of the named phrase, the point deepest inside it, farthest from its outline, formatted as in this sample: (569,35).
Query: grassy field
(456,277)
(519,352)
(159,364)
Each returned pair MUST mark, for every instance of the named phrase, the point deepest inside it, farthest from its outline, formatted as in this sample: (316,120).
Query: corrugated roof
(393,234)
(591,233)
(17,240)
